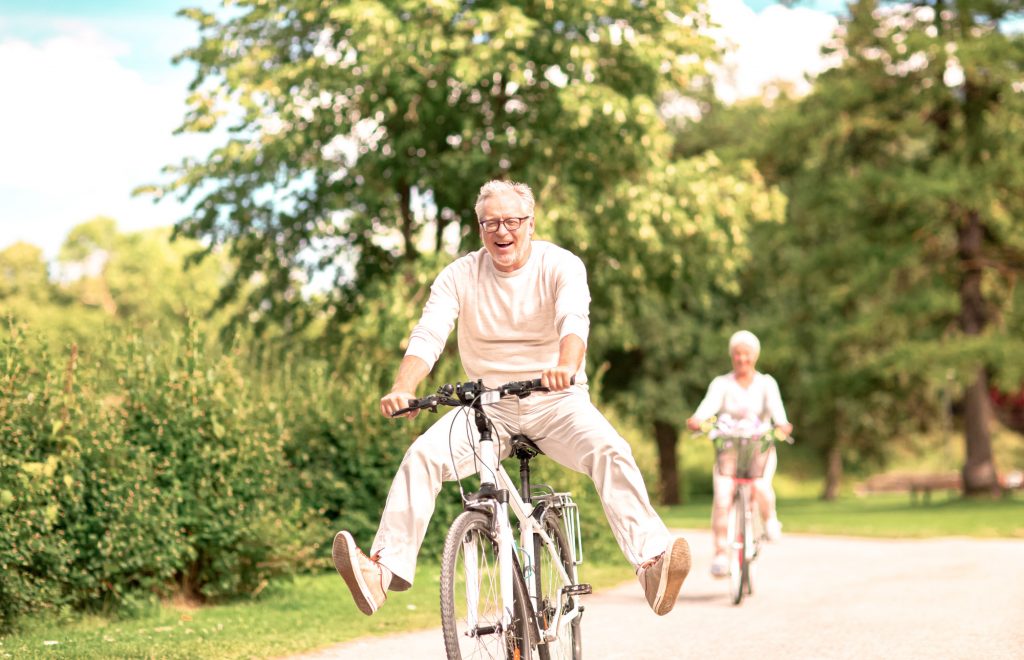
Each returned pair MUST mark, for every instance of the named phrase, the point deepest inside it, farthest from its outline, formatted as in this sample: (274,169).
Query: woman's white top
(760,400)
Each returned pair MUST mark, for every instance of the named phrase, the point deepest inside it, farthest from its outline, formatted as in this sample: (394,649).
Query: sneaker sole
(344,553)
(676,568)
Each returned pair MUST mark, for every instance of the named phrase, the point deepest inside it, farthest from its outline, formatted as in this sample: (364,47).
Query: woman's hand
(693,424)
(786,428)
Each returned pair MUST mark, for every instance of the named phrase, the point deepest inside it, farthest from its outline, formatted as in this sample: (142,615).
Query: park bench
(917,484)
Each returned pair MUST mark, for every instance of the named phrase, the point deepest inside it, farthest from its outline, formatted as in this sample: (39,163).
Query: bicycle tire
(750,547)
(758,535)
(472,532)
(569,645)
(737,547)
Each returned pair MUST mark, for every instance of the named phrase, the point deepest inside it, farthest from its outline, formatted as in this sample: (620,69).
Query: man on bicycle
(523,309)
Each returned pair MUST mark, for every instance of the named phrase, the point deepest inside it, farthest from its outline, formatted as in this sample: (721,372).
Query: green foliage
(150,469)
(873,307)
(219,463)
(33,469)
(364,128)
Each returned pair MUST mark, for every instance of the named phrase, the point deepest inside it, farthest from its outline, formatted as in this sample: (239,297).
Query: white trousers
(567,428)
(725,488)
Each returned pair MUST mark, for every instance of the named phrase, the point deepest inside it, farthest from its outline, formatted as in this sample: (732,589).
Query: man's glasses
(511,224)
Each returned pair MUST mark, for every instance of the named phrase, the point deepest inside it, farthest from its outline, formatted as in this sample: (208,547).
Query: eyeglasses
(511,224)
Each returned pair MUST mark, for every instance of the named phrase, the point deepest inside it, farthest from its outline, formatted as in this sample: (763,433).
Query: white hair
(495,186)
(745,338)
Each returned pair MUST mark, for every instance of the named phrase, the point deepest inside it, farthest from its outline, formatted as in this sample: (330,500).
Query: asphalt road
(815,597)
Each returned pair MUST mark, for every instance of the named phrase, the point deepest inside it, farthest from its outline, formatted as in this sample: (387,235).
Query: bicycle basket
(741,457)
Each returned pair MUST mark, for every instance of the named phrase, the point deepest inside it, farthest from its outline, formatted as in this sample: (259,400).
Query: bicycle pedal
(578,590)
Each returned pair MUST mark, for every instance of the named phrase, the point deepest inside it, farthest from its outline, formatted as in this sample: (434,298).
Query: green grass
(892,516)
(309,613)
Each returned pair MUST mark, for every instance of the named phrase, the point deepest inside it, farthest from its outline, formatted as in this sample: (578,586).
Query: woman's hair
(496,186)
(746,338)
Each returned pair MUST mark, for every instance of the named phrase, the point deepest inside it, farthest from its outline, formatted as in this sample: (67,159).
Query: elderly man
(523,310)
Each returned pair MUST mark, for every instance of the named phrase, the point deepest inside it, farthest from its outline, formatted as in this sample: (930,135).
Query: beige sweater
(510,324)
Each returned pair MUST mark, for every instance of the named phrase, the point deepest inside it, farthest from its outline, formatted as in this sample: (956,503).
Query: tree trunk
(979,472)
(833,472)
(405,200)
(668,471)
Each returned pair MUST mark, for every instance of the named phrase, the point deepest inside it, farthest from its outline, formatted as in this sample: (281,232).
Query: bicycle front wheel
(551,606)
(471,604)
(737,540)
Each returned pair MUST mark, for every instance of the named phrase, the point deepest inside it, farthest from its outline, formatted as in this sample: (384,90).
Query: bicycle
(741,452)
(502,598)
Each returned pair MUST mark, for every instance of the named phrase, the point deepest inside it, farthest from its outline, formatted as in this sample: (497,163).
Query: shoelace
(650,562)
(375,560)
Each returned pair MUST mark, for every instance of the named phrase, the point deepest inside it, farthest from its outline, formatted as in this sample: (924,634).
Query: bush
(32,471)
(219,462)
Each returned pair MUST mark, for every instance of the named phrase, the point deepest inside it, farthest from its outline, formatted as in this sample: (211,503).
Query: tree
(904,178)
(361,131)
(663,256)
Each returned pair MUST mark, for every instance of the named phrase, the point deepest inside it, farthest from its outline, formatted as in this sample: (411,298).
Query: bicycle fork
(499,501)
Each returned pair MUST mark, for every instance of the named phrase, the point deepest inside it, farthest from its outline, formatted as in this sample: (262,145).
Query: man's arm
(411,373)
(571,350)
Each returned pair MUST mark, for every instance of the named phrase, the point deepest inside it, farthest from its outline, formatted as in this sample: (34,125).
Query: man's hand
(557,378)
(393,401)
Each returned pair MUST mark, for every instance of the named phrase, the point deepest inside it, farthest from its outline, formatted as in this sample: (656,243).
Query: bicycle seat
(524,447)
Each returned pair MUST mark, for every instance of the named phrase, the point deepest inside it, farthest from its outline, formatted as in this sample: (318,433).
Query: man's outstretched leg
(366,578)
(587,443)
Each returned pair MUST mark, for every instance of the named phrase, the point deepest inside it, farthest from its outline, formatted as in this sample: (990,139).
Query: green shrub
(219,461)
(33,555)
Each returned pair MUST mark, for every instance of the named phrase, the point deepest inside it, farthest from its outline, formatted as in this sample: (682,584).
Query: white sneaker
(773,529)
(366,579)
(720,566)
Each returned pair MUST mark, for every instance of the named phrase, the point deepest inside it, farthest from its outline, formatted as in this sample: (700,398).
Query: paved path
(815,597)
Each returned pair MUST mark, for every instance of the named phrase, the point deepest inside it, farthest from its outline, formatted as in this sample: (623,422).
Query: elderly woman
(742,394)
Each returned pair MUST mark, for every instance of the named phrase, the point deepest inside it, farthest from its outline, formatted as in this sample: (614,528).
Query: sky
(91,100)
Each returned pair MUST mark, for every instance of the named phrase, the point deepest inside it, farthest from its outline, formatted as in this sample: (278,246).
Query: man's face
(509,249)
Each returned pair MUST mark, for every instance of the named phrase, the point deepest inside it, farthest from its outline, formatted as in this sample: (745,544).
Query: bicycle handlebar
(719,434)
(466,394)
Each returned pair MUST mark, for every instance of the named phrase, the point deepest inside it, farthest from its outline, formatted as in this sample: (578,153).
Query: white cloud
(776,44)
(79,130)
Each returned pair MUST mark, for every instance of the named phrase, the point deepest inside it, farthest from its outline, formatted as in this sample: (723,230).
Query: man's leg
(426,465)
(571,431)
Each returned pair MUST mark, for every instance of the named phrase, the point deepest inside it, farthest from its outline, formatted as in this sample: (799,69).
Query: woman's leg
(764,494)
(723,492)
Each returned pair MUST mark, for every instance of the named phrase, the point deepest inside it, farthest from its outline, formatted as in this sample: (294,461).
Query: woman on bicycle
(742,394)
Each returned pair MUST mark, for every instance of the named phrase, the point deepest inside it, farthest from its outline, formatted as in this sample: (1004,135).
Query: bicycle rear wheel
(737,540)
(568,645)
(471,606)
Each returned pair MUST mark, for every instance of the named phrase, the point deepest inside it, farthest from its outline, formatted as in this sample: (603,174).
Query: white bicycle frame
(494,474)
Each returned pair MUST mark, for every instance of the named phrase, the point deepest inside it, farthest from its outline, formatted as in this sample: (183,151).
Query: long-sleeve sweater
(510,324)
(760,400)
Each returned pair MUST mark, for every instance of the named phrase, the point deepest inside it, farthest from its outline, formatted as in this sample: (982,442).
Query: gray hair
(745,338)
(495,186)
